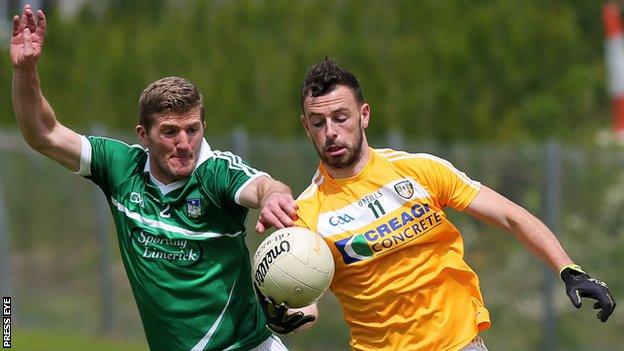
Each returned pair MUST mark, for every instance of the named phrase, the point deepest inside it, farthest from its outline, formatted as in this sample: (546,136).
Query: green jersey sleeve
(231,176)
(107,162)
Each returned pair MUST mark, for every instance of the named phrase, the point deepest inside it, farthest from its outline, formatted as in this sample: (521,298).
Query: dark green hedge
(487,70)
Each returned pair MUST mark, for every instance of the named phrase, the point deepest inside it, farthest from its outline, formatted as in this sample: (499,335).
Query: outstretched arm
(495,209)
(278,208)
(35,116)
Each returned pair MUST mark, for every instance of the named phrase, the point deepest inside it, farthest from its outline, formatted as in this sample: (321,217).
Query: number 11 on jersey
(376,205)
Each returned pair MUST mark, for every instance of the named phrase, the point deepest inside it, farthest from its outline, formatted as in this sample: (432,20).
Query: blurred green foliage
(445,70)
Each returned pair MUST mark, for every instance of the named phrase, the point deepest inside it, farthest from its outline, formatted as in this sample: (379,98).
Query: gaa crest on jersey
(193,208)
(405,189)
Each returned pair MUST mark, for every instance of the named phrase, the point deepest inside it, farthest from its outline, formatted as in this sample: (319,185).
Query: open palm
(27,38)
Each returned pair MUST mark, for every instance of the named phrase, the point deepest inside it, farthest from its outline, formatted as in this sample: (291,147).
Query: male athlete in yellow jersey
(401,278)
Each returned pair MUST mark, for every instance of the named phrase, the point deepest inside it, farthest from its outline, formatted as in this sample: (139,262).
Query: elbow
(38,142)
(518,221)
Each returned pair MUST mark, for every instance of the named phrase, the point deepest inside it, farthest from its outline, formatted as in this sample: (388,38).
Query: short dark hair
(323,77)
(169,94)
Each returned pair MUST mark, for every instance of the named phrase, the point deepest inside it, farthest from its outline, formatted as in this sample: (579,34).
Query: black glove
(278,319)
(580,284)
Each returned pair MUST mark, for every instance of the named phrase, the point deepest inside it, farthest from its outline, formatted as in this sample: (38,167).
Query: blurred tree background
(498,70)
(481,83)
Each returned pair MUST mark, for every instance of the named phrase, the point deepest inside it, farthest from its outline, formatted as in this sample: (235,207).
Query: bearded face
(335,123)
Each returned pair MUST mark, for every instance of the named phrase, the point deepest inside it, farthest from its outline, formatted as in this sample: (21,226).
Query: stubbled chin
(181,162)
(182,168)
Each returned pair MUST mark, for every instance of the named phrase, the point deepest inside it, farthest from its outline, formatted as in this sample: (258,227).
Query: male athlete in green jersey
(179,207)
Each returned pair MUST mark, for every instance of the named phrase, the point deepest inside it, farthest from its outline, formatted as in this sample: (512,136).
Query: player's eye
(318,124)
(169,132)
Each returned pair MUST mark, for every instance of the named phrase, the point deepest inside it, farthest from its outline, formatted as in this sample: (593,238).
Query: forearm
(540,240)
(34,114)
(270,187)
(274,198)
(495,209)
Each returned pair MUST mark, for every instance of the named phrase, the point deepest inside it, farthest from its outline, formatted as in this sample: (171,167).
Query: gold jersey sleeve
(401,278)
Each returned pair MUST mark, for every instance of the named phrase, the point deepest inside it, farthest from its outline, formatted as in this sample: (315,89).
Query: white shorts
(476,344)
(273,343)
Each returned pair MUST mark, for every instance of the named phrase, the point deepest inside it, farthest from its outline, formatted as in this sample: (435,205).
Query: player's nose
(183,141)
(330,131)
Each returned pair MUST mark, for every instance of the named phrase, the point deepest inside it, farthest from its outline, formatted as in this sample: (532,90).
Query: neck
(156,175)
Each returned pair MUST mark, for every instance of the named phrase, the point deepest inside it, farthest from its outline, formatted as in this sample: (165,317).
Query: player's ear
(142,134)
(304,121)
(365,113)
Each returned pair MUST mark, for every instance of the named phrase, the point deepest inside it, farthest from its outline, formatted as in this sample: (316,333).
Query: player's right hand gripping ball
(579,284)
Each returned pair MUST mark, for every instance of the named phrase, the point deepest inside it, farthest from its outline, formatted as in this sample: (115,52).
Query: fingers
(280,312)
(266,221)
(28,45)
(575,297)
(42,23)
(260,228)
(280,211)
(292,319)
(16,25)
(285,210)
(301,320)
(281,322)
(606,305)
(27,20)
(23,18)
(604,314)
(41,19)
(30,19)
(289,206)
(296,320)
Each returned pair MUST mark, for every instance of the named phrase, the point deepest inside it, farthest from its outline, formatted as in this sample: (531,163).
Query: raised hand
(27,38)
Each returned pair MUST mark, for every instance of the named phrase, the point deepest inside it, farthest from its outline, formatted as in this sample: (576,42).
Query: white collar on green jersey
(205,152)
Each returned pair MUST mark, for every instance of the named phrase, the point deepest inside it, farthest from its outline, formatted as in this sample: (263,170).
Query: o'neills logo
(270,256)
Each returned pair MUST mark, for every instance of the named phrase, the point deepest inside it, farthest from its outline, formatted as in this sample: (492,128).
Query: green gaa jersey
(182,245)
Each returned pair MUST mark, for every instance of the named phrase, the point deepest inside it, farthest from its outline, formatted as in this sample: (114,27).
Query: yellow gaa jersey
(400,277)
